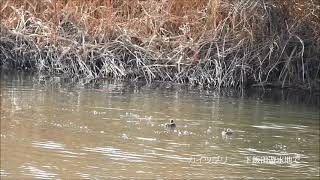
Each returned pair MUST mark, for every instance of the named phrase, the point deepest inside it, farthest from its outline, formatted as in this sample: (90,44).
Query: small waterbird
(226,131)
(172,124)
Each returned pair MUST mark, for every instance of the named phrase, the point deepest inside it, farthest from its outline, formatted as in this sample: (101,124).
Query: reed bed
(214,43)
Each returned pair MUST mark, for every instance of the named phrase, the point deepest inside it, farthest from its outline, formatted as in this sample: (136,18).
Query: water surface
(58,131)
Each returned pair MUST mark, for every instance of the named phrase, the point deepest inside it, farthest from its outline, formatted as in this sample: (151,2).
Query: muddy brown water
(111,131)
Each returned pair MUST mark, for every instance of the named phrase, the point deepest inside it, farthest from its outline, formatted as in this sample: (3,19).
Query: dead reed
(218,43)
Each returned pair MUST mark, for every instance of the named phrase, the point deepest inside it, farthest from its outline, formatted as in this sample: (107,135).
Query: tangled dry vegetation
(218,43)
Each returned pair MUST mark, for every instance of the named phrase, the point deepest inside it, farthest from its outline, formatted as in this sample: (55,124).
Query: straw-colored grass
(203,42)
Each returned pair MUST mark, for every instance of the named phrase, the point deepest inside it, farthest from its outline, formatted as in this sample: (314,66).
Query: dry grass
(203,42)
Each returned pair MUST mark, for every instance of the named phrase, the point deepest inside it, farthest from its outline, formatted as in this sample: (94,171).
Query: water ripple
(117,154)
(38,173)
(48,145)
(146,139)
(269,126)
(3,172)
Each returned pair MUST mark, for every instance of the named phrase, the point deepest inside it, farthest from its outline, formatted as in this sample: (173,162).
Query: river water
(53,130)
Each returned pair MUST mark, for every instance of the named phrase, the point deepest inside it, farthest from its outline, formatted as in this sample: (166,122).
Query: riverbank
(217,43)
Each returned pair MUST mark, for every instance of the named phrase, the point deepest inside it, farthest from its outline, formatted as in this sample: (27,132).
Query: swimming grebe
(172,124)
(226,131)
